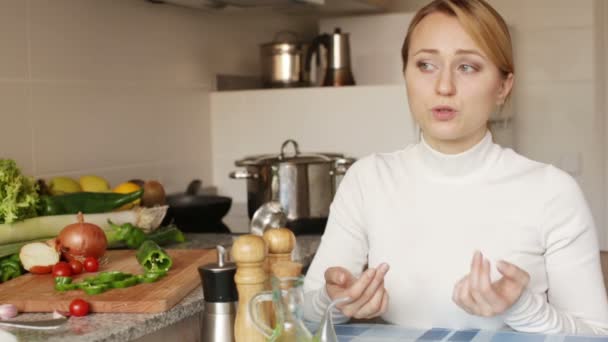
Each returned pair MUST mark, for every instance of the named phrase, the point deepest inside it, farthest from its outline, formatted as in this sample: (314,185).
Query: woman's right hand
(368,297)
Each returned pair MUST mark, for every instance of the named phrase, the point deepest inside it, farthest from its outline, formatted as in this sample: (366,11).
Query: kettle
(338,69)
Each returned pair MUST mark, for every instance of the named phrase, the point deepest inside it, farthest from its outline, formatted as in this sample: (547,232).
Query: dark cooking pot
(192,212)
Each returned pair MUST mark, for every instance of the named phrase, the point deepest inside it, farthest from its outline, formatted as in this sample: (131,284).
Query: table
(390,333)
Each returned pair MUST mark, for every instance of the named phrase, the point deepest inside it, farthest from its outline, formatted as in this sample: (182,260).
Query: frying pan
(192,212)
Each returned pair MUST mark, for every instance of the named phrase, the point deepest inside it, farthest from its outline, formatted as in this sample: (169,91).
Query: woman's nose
(445,83)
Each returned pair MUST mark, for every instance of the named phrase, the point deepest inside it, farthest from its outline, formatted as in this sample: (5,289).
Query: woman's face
(452,86)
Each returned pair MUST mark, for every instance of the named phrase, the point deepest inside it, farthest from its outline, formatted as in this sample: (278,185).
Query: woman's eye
(467,68)
(424,66)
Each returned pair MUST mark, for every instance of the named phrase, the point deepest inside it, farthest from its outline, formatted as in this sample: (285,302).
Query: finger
(355,290)
(457,289)
(369,292)
(487,290)
(481,288)
(480,305)
(513,272)
(338,276)
(384,305)
(372,307)
(475,270)
(464,297)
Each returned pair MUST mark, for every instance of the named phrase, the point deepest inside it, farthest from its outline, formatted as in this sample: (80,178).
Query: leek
(49,226)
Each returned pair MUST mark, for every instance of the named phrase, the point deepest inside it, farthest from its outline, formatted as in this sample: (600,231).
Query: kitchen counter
(127,327)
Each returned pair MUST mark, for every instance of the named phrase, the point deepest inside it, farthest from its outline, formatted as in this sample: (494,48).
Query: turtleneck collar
(464,164)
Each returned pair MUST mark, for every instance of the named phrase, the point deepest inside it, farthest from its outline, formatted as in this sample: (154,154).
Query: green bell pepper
(153,258)
(127,282)
(94,289)
(64,284)
(10,267)
(132,236)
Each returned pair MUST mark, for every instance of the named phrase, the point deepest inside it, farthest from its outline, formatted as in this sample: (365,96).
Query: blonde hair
(480,21)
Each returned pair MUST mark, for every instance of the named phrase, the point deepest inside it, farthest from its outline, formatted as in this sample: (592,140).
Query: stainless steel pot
(304,184)
(283,62)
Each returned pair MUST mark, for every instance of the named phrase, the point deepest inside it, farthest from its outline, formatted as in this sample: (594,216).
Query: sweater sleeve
(343,244)
(575,302)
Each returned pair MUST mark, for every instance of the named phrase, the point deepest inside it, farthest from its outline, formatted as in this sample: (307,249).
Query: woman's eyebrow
(458,52)
(469,52)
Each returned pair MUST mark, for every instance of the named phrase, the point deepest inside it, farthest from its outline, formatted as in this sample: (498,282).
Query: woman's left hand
(478,295)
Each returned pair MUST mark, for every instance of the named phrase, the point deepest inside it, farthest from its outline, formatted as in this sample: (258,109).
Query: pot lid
(295,158)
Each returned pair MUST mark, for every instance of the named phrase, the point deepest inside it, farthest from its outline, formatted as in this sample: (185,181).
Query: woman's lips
(444,113)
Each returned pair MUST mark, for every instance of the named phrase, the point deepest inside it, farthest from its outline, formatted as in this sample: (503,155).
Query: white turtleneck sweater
(425,213)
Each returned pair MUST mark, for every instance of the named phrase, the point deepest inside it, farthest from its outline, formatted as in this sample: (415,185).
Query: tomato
(79,308)
(62,269)
(40,269)
(91,264)
(76,266)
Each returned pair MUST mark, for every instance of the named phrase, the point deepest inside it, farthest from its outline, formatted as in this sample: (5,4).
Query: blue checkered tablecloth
(389,333)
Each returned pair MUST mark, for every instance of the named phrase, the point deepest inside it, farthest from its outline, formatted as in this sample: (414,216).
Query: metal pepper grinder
(221,297)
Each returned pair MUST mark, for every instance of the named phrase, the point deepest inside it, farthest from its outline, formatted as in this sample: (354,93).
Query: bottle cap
(218,279)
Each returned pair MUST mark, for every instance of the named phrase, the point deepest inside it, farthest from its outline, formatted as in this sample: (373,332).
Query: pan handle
(242,175)
(341,166)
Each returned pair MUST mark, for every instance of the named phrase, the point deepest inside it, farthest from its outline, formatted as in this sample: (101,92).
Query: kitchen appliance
(283,62)
(221,298)
(303,183)
(193,212)
(337,59)
(36,293)
(374,60)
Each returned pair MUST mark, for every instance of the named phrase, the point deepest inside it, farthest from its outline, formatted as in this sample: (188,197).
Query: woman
(439,211)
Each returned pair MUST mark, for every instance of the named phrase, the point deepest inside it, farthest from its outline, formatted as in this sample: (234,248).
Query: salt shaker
(221,297)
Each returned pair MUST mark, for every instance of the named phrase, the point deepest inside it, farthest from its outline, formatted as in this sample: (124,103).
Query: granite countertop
(125,327)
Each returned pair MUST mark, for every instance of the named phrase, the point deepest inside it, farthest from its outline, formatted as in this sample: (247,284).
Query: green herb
(18,196)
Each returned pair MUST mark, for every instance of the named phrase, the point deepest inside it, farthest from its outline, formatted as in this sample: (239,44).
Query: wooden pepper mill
(249,253)
(287,269)
(280,242)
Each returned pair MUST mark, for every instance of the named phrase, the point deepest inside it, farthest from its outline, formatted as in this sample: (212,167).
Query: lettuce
(18,196)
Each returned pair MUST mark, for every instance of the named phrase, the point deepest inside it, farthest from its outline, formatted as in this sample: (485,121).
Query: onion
(80,240)
(7,311)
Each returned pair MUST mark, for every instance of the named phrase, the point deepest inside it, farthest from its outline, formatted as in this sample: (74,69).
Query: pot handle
(296,148)
(341,167)
(242,175)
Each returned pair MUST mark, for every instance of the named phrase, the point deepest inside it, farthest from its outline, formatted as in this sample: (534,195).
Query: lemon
(126,188)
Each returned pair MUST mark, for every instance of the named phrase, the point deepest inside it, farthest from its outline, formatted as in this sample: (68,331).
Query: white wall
(555,101)
(355,121)
(119,88)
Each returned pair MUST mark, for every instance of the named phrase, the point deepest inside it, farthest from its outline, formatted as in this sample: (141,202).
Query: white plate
(5,336)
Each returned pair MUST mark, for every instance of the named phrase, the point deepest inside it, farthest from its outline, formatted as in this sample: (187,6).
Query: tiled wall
(556,117)
(119,88)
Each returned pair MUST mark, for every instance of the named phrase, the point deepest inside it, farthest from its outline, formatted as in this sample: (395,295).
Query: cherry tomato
(91,264)
(62,269)
(76,266)
(79,307)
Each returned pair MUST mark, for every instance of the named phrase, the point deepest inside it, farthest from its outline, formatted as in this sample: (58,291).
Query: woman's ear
(505,89)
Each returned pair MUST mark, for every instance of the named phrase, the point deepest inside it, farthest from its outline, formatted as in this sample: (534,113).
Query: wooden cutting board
(36,293)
